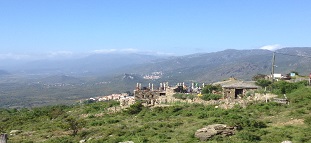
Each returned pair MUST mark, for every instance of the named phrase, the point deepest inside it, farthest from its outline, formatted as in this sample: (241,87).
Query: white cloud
(272,47)
(129,50)
(105,51)
(60,54)
(157,53)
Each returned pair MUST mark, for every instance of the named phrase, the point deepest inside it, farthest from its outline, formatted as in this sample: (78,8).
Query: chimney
(151,87)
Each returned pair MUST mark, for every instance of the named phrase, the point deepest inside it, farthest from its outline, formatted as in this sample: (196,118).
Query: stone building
(234,89)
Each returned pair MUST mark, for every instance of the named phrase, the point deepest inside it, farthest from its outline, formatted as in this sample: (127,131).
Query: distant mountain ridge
(95,64)
(202,67)
(241,64)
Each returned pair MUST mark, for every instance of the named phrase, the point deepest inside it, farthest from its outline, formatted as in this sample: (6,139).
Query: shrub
(263,83)
(135,108)
(283,87)
(75,124)
(183,96)
(208,89)
(307,121)
(207,97)
(249,137)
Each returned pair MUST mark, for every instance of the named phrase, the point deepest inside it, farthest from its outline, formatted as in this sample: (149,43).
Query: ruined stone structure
(151,97)
(126,102)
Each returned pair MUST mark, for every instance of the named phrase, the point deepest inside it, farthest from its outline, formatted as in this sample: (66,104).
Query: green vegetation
(280,87)
(283,87)
(263,83)
(183,96)
(258,122)
(209,89)
(211,92)
(207,97)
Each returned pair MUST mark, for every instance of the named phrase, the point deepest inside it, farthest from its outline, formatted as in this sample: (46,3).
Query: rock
(127,142)
(287,142)
(211,130)
(15,132)
(82,141)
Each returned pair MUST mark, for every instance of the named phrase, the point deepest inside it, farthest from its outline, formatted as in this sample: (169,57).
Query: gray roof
(237,84)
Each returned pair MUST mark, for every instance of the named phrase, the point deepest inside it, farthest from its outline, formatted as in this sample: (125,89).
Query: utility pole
(310,79)
(272,69)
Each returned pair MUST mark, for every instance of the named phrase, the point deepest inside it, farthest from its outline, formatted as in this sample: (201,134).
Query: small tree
(74,124)
(208,89)
(263,83)
(135,108)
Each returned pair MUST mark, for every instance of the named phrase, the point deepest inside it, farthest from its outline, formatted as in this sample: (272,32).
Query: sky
(165,27)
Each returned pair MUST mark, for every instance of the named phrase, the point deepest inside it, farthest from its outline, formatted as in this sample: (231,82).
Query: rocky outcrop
(15,132)
(216,129)
(287,142)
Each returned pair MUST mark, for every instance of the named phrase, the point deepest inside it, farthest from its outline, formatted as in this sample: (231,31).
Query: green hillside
(258,122)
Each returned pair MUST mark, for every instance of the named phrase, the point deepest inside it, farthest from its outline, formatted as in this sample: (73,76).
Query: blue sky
(175,27)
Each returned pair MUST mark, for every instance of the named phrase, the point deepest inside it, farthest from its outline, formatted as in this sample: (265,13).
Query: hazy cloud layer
(12,56)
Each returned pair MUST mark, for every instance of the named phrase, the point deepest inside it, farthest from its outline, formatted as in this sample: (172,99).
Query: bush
(208,89)
(283,87)
(207,97)
(135,108)
(263,83)
(183,96)
(249,137)
(307,121)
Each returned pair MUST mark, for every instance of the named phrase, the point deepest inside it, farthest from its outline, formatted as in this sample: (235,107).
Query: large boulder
(216,129)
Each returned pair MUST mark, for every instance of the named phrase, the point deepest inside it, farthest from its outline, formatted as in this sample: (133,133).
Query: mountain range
(241,64)
(46,82)
(201,67)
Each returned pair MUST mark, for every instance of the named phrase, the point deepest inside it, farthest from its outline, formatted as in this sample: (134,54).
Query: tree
(263,83)
(208,89)
(75,124)
(135,108)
